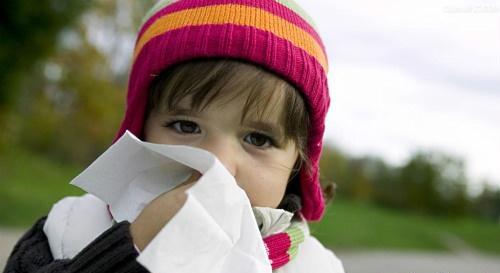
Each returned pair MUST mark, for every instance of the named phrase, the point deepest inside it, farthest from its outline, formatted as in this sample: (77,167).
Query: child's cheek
(263,191)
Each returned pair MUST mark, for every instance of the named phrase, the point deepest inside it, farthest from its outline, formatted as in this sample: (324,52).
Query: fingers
(190,181)
(159,212)
(195,176)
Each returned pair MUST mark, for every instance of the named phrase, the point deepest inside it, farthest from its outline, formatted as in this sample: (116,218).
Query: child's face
(254,151)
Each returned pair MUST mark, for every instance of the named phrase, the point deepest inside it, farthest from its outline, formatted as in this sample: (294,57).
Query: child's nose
(225,152)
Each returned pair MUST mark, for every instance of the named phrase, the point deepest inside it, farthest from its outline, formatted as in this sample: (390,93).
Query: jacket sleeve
(112,251)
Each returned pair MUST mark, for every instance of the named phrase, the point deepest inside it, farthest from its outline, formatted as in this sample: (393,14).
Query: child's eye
(185,127)
(259,140)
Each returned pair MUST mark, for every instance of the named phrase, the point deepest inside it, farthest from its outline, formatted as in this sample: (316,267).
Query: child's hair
(223,80)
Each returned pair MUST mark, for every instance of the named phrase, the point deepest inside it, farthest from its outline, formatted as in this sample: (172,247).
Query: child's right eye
(184,127)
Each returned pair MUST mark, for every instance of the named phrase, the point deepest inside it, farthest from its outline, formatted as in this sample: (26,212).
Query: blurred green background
(63,76)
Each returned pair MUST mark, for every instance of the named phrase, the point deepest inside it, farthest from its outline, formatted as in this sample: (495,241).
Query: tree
(68,105)
(434,183)
(28,31)
(487,204)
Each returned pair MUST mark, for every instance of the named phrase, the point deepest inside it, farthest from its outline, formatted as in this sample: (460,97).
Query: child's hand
(159,212)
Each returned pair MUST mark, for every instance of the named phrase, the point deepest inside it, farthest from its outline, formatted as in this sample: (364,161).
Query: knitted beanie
(274,34)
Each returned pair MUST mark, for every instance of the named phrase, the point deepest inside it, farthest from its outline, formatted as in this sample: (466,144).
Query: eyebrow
(265,126)
(184,112)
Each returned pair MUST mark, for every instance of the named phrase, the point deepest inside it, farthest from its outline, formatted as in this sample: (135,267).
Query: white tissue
(215,230)
(131,173)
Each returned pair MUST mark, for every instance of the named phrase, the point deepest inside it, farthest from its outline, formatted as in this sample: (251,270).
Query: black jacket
(112,251)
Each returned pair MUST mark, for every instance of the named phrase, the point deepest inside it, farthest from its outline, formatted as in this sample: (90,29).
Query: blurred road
(463,260)
(8,237)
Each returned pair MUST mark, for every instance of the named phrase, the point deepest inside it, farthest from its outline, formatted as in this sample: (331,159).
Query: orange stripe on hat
(238,15)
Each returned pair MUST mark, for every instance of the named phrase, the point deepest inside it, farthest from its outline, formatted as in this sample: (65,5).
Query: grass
(30,184)
(348,225)
(484,236)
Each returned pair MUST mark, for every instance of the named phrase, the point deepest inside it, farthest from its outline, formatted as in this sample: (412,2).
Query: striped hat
(275,34)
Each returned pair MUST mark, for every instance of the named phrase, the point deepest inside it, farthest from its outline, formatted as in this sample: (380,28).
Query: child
(245,80)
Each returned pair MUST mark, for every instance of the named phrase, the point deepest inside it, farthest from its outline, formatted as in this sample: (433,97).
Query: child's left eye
(259,140)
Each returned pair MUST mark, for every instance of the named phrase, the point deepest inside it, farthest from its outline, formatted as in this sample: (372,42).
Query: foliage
(429,183)
(72,115)
(487,204)
(68,99)
(29,31)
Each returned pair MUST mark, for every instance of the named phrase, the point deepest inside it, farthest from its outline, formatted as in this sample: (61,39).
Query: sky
(414,75)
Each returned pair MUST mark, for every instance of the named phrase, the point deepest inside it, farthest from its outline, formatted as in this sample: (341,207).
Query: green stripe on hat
(158,6)
(299,10)
(288,3)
